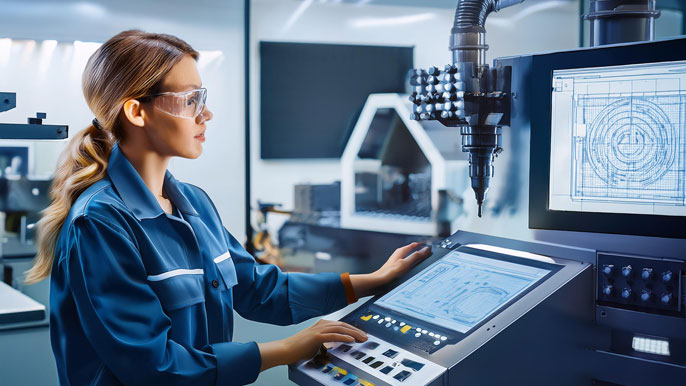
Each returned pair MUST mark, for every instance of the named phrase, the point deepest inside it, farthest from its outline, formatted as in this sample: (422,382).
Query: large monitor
(608,140)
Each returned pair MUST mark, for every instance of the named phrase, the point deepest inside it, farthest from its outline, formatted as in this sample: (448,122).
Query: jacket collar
(136,195)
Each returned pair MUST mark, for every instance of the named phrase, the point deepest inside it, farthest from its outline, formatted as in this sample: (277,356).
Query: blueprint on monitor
(460,290)
(623,128)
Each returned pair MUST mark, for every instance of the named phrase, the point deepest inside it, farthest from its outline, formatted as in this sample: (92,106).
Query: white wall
(535,26)
(47,76)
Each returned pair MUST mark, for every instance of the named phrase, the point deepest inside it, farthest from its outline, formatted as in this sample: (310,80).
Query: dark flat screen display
(312,94)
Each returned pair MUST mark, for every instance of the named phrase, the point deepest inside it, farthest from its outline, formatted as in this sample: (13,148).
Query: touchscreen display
(460,290)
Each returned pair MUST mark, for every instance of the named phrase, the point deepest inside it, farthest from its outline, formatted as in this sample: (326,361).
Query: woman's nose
(205,115)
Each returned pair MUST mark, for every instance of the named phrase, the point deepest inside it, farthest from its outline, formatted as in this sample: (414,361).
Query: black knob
(646,273)
(215,283)
(626,271)
(607,290)
(646,295)
(667,276)
(450,69)
(666,298)
(433,71)
(607,269)
(626,293)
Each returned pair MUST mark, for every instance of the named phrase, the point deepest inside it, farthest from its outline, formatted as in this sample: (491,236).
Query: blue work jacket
(142,297)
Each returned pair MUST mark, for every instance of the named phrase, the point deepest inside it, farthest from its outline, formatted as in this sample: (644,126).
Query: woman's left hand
(396,265)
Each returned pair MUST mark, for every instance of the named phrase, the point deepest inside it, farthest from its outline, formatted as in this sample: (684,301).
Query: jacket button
(215,283)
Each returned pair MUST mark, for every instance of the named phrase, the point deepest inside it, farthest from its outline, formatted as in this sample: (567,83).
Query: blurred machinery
(399,175)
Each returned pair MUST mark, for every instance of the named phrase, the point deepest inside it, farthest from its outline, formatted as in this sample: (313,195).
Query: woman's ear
(133,110)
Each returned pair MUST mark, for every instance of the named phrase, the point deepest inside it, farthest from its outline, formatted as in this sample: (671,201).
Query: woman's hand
(396,266)
(306,343)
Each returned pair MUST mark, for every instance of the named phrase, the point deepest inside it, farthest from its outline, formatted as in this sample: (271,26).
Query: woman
(145,277)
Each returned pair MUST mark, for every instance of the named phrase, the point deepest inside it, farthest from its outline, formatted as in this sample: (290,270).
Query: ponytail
(82,163)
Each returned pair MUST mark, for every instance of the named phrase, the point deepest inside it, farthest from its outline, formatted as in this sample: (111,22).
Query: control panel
(371,363)
(640,283)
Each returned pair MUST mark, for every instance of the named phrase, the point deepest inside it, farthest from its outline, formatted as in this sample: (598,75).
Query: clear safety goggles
(186,104)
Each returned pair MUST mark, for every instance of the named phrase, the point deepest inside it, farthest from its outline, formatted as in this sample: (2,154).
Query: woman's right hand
(306,343)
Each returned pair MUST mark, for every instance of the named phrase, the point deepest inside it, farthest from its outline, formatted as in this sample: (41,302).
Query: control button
(345,347)
(388,324)
(645,295)
(386,369)
(417,335)
(646,273)
(376,364)
(419,329)
(393,321)
(402,376)
(431,334)
(666,299)
(340,375)
(437,342)
(357,355)
(667,276)
(424,332)
(402,324)
(388,318)
(215,283)
(390,353)
(350,379)
(607,290)
(626,293)
(370,345)
(366,318)
(414,365)
(328,368)
(375,317)
(380,321)
(626,271)
(444,337)
(405,329)
(396,328)
(368,360)
(607,269)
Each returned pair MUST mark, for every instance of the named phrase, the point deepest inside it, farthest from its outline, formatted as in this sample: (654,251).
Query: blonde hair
(130,65)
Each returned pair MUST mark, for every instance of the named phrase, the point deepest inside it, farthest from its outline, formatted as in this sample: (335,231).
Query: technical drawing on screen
(618,139)
(461,290)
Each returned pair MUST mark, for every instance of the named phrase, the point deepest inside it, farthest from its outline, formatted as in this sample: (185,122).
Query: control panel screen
(461,290)
(618,139)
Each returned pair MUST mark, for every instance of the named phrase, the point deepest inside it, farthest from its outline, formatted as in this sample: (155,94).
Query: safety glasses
(186,104)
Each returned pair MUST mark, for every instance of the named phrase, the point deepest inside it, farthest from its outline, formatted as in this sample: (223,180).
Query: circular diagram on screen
(631,141)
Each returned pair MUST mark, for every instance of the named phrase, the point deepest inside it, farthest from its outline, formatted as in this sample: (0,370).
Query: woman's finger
(346,329)
(418,256)
(403,251)
(334,337)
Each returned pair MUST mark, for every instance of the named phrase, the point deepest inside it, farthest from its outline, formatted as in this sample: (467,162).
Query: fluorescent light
(391,21)
(525,11)
(650,345)
(296,15)
(5,50)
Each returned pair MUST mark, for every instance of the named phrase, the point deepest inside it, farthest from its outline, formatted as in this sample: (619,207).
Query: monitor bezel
(542,67)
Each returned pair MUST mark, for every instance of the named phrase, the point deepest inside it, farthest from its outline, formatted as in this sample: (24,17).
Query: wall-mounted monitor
(312,94)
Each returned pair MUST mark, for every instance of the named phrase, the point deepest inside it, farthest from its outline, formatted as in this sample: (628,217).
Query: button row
(403,327)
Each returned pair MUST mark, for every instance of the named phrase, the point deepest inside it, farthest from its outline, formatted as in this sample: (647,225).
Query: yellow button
(406,328)
(340,370)
(366,318)
(365,383)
